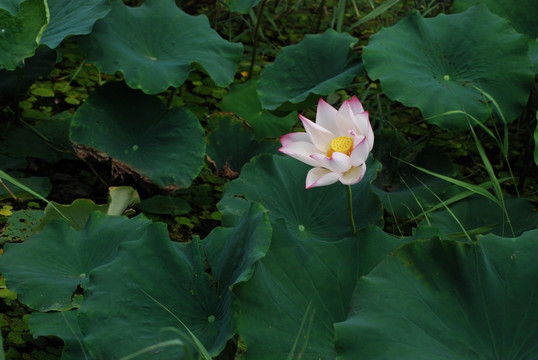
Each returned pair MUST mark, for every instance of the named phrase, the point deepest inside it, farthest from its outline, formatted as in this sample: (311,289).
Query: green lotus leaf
(243,100)
(47,268)
(243,6)
(154,45)
(41,185)
(63,324)
(441,299)
(300,288)
(22,142)
(20,33)
(72,18)
(522,17)
(161,204)
(405,191)
(20,225)
(2,355)
(41,64)
(278,183)
(319,64)
(125,309)
(12,6)
(478,215)
(167,146)
(453,62)
(231,143)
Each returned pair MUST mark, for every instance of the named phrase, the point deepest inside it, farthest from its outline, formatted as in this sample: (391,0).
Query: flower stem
(350,209)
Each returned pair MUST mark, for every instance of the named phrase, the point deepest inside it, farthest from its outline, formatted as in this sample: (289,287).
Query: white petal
(321,177)
(301,151)
(355,105)
(338,162)
(319,136)
(326,116)
(354,175)
(360,153)
(294,137)
(346,119)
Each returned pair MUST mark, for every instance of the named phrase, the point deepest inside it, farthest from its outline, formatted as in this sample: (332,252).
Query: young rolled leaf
(167,146)
(154,45)
(448,62)
(319,64)
(441,299)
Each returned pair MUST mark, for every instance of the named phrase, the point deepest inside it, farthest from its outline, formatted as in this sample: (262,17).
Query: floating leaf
(278,183)
(126,310)
(319,64)
(167,146)
(447,300)
(20,225)
(72,18)
(20,33)
(154,45)
(47,268)
(448,62)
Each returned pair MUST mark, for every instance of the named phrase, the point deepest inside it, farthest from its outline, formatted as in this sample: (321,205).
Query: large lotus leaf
(63,324)
(41,185)
(41,64)
(231,143)
(167,146)
(243,6)
(20,33)
(22,142)
(443,299)
(521,16)
(155,284)
(450,62)
(319,64)
(478,215)
(72,18)
(12,6)
(300,288)
(278,183)
(243,100)
(47,268)
(154,45)
(403,190)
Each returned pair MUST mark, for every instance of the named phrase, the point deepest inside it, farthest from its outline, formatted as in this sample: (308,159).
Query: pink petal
(294,137)
(301,151)
(326,116)
(360,153)
(355,105)
(338,162)
(319,136)
(320,177)
(353,175)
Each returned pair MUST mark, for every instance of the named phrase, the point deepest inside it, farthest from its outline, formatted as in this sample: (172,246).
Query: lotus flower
(337,144)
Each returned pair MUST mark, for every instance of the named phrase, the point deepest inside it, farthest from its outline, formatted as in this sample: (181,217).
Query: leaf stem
(350,209)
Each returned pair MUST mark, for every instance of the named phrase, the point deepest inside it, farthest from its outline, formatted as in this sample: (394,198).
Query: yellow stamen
(341,144)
